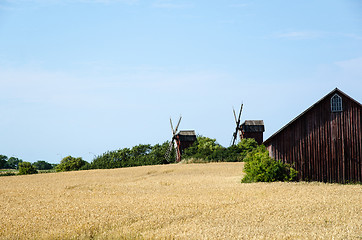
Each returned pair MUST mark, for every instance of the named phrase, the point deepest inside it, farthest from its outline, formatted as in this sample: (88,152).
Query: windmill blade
(237,125)
(177,125)
(241,109)
(231,141)
(237,130)
(171,145)
(236,121)
(169,150)
(173,132)
(234,136)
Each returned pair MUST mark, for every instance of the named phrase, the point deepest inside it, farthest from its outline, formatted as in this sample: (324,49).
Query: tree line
(259,166)
(14,163)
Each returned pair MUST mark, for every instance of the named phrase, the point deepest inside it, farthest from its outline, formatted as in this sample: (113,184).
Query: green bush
(260,167)
(70,163)
(26,168)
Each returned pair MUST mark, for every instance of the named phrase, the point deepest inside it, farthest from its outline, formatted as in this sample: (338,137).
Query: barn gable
(324,142)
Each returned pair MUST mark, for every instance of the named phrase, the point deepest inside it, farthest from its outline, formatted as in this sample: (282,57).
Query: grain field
(178,201)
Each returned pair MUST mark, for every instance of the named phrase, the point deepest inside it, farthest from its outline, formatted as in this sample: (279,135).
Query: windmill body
(179,141)
(253,129)
(184,139)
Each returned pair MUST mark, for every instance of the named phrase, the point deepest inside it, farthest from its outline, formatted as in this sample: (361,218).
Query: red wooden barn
(324,143)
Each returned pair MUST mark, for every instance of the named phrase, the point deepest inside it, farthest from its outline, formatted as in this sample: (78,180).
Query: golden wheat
(179,201)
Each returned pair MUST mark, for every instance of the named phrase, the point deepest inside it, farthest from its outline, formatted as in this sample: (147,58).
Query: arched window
(336,103)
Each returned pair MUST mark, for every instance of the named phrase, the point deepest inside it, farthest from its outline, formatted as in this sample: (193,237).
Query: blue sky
(81,77)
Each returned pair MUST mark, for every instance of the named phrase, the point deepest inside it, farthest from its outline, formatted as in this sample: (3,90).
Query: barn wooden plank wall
(323,145)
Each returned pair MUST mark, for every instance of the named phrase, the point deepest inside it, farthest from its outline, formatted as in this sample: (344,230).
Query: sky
(83,77)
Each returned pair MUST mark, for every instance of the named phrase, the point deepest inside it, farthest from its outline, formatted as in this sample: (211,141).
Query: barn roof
(336,90)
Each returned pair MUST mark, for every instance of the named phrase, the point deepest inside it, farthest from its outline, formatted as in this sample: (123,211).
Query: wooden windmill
(179,141)
(248,129)
(238,128)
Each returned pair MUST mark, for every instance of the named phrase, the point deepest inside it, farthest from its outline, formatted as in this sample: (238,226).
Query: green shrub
(246,146)
(26,168)
(70,163)
(260,167)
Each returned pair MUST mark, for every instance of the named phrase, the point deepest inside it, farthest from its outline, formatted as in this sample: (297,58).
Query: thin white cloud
(299,35)
(353,36)
(239,5)
(171,4)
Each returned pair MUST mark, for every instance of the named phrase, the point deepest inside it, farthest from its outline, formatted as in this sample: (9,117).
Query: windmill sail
(172,145)
(237,121)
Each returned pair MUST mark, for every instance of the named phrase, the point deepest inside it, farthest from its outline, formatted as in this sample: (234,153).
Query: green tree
(142,154)
(139,155)
(27,168)
(208,150)
(14,162)
(3,161)
(157,154)
(42,165)
(70,163)
(204,148)
(112,159)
